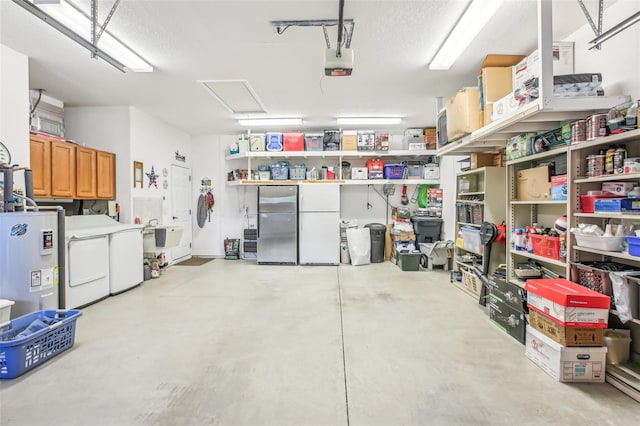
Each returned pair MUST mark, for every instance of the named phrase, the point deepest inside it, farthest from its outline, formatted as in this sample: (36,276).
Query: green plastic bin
(408,261)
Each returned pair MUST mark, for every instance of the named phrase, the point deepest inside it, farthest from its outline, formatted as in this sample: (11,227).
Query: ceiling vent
(237,96)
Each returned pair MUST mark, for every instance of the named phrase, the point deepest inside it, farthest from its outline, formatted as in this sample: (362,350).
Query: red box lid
(568,293)
(293,136)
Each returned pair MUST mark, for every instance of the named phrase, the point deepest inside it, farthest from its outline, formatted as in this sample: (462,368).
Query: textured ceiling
(187,41)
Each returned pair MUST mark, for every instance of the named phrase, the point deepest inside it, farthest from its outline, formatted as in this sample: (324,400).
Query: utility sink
(161,237)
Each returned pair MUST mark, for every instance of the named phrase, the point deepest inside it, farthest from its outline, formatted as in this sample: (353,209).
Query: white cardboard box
(574,364)
(504,107)
(529,67)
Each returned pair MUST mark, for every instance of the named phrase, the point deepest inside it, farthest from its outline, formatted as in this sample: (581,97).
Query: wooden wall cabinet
(40,151)
(86,176)
(65,170)
(106,175)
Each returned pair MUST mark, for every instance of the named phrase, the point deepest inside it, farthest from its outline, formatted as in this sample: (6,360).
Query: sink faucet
(154,222)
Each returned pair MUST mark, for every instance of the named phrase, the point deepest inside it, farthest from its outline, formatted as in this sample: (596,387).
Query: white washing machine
(120,263)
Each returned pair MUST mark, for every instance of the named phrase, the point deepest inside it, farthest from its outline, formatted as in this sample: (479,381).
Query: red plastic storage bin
(293,141)
(546,246)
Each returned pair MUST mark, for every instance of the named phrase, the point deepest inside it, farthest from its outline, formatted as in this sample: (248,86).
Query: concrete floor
(233,343)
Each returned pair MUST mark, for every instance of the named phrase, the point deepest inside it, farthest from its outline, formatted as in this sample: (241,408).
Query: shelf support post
(545,52)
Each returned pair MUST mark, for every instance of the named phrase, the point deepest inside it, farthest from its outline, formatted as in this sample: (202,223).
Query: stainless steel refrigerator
(29,271)
(278,224)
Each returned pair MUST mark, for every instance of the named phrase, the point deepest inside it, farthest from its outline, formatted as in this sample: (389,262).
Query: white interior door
(180,182)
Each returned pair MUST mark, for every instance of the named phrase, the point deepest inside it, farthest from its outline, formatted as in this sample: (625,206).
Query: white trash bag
(359,241)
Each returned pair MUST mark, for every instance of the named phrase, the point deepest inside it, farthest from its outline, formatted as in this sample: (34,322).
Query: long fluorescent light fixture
(270,121)
(469,25)
(117,54)
(347,121)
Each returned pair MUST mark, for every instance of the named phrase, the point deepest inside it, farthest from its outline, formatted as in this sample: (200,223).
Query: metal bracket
(95,51)
(349,24)
(596,29)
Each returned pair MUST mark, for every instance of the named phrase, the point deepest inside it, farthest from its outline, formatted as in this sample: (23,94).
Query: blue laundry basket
(17,356)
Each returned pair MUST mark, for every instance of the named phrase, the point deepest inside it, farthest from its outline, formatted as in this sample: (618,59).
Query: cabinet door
(106,175)
(40,149)
(85,172)
(63,169)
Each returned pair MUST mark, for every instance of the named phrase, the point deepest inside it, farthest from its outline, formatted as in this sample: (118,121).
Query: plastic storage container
(19,355)
(546,246)
(377,232)
(471,239)
(408,261)
(615,243)
(5,311)
(393,171)
(618,346)
(427,229)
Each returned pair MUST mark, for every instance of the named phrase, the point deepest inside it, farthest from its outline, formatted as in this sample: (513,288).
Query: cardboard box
(256,142)
(566,336)
(463,113)
(403,236)
(507,318)
(487,113)
(559,187)
(529,67)
(504,107)
(388,243)
(431,137)
(480,160)
(349,140)
(500,159)
(620,189)
(359,173)
(496,83)
(568,303)
(533,184)
(519,146)
(574,364)
(494,60)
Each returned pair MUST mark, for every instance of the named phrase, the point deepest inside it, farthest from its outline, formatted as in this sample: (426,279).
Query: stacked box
(366,140)
(565,334)
(349,140)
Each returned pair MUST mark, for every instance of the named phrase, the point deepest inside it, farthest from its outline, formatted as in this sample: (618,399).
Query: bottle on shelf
(608,160)
(618,159)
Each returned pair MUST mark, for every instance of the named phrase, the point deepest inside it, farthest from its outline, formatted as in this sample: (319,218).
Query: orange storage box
(546,246)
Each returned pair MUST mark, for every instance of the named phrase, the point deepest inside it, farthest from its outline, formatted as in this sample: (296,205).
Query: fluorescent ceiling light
(270,121)
(368,120)
(81,24)
(473,20)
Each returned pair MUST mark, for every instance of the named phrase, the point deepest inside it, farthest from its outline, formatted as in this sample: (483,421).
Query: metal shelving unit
(625,377)
(486,190)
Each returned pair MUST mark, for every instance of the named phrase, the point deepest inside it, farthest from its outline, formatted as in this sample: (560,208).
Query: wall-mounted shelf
(336,182)
(332,154)
(614,254)
(540,156)
(549,202)
(539,258)
(606,178)
(609,216)
(540,115)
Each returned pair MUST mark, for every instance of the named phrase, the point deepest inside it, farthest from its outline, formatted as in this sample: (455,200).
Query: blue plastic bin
(17,356)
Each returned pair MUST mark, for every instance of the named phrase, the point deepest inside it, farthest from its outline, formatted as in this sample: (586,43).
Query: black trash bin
(377,232)
(427,229)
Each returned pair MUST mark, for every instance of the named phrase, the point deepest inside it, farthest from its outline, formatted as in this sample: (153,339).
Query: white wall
(14,107)
(619,58)
(106,129)
(235,206)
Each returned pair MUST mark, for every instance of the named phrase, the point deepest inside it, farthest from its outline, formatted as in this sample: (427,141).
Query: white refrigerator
(319,224)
